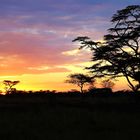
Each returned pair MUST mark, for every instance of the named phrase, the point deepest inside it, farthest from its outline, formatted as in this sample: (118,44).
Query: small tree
(107,83)
(9,85)
(80,80)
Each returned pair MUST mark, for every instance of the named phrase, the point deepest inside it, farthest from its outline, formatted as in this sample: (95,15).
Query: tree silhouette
(80,80)
(119,54)
(9,85)
(107,83)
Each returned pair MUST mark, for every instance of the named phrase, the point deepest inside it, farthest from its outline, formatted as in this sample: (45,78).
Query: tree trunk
(81,88)
(130,84)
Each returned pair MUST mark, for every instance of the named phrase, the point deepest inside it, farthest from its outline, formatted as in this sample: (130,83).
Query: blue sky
(36,35)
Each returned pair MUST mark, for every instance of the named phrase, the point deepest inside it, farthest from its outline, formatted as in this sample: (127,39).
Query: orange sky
(36,40)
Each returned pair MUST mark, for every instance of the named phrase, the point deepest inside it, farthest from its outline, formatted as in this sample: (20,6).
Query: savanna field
(70,116)
(69,70)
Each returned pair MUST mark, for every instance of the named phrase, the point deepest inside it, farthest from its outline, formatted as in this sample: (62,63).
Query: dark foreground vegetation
(70,116)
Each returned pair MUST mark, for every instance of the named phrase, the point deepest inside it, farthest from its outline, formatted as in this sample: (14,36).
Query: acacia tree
(80,80)
(107,83)
(119,55)
(9,85)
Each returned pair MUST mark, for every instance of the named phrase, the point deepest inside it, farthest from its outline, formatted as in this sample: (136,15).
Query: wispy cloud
(36,35)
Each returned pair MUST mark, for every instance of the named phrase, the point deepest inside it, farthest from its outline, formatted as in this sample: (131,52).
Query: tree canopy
(80,80)
(9,85)
(107,83)
(119,54)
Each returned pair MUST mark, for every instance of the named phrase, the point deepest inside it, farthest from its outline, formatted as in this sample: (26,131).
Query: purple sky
(36,35)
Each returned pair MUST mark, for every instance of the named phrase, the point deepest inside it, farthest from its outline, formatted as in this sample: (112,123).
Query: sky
(36,36)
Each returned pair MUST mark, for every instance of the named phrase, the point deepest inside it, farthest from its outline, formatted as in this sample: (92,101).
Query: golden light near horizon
(36,45)
(56,81)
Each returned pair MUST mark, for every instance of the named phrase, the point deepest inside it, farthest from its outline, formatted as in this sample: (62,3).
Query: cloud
(71,52)
(36,35)
(21,51)
(32,40)
(46,69)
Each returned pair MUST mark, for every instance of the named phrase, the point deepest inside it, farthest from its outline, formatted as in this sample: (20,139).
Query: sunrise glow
(36,36)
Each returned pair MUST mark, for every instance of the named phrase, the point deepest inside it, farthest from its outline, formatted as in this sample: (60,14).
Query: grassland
(63,117)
